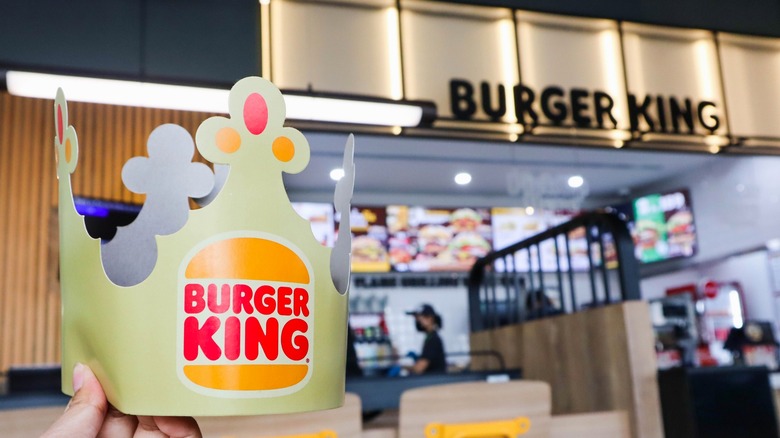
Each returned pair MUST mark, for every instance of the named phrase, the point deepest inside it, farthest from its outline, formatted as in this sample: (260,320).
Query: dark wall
(78,35)
(195,41)
(756,17)
(217,41)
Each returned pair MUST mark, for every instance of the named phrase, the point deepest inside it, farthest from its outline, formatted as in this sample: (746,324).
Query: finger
(173,427)
(116,424)
(147,428)
(178,427)
(86,410)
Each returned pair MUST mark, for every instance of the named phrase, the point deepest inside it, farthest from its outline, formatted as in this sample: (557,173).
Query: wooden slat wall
(29,290)
(601,359)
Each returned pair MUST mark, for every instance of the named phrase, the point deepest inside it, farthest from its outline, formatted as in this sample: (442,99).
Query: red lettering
(193,298)
(202,338)
(221,304)
(284,301)
(242,297)
(268,339)
(249,337)
(232,338)
(301,302)
(295,347)
(264,300)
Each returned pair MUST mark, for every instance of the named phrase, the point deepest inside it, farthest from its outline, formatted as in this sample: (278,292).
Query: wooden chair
(345,421)
(476,402)
(612,424)
(385,432)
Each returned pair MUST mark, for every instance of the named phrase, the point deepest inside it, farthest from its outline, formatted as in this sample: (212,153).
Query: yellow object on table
(487,429)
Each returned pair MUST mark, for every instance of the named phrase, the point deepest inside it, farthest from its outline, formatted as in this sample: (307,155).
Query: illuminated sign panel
(503,73)
(472,44)
(579,83)
(673,81)
(751,79)
(336,47)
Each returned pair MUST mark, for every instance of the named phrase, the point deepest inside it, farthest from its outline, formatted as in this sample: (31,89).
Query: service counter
(379,393)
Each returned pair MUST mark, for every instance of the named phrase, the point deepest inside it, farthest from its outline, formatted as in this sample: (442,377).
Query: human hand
(89,415)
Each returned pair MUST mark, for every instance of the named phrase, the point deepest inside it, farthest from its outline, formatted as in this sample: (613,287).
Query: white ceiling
(413,170)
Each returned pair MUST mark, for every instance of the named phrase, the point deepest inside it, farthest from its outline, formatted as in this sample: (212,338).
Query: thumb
(86,411)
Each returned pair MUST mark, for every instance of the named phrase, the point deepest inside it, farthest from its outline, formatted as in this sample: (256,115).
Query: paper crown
(230,309)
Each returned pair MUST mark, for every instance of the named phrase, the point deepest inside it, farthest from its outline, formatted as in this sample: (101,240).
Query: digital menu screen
(425,239)
(663,226)
(512,225)
(405,238)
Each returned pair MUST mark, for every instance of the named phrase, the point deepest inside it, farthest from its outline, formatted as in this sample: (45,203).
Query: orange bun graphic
(248,258)
(246,317)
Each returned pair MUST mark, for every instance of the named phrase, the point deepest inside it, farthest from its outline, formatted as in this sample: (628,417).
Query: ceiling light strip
(185,98)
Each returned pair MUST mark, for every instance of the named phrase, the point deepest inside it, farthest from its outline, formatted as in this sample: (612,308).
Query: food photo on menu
(369,239)
(664,226)
(681,232)
(437,239)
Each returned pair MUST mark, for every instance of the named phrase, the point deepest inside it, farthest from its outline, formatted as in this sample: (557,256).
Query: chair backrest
(345,421)
(612,424)
(24,423)
(476,402)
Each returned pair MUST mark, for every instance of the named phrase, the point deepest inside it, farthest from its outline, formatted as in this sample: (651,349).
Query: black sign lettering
(495,114)
(462,99)
(524,98)
(557,111)
(636,111)
(603,104)
(579,107)
(660,107)
(709,120)
(685,113)
(652,113)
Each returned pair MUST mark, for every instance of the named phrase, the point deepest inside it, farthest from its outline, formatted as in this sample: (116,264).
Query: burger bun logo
(245,317)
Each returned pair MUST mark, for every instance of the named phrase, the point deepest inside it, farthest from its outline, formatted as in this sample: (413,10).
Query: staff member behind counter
(431,359)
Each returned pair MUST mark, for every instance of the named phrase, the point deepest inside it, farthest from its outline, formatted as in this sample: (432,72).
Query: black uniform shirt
(433,351)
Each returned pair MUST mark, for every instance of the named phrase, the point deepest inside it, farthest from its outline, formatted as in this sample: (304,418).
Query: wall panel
(29,290)
(599,359)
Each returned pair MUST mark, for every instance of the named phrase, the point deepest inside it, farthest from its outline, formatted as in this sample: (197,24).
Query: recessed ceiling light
(463,178)
(529,210)
(576,181)
(265,2)
(337,174)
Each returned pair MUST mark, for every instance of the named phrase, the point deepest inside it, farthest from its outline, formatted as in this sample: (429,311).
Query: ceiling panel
(408,170)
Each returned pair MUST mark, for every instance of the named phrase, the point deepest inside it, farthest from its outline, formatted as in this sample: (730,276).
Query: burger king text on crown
(263,319)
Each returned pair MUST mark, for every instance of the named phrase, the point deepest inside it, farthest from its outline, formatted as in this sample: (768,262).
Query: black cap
(424,309)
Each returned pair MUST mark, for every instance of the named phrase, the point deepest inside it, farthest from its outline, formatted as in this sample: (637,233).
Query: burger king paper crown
(230,309)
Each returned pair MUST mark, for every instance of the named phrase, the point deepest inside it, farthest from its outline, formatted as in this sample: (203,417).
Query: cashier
(431,359)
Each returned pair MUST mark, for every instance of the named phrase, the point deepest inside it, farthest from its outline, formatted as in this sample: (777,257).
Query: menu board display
(663,226)
(512,225)
(421,239)
(427,239)
(369,239)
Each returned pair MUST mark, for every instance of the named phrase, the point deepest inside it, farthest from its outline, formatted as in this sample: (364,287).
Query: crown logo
(233,308)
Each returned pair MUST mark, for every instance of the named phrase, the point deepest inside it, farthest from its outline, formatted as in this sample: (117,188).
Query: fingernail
(78,376)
